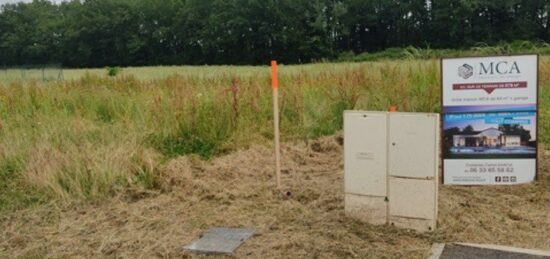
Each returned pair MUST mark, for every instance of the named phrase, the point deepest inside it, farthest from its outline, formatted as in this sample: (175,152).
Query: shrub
(113,71)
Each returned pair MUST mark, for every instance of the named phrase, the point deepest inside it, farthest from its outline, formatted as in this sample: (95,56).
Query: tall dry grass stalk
(89,172)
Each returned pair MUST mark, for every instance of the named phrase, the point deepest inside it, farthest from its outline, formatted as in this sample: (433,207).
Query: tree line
(97,33)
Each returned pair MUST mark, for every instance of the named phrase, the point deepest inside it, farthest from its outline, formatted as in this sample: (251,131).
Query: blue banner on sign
(487,116)
(507,121)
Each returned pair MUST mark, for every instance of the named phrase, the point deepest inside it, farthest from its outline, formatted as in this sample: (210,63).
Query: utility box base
(391,168)
(420,225)
(370,209)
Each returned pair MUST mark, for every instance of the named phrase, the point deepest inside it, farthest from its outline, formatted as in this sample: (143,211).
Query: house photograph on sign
(490,135)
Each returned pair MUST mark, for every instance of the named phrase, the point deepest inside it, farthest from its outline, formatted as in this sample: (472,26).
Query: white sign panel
(489,107)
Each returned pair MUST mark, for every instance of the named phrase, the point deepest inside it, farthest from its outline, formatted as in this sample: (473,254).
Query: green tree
(30,33)
(516,129)
(468,129)
(99,33)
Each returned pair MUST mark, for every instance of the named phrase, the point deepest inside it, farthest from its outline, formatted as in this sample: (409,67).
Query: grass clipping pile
(237,190)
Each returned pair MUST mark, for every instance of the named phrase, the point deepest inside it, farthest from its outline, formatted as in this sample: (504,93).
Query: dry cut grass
(236,190)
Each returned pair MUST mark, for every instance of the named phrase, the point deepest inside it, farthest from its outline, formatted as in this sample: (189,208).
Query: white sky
(12,1)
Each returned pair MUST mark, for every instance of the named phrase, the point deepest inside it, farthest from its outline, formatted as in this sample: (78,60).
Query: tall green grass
(98,136)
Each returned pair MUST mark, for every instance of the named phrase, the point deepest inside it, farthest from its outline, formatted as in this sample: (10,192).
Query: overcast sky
(12,1)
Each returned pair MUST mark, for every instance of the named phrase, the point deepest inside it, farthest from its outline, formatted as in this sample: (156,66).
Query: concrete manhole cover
(220,241)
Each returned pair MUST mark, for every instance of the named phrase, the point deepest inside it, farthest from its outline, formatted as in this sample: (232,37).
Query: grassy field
(91,136)
(154,135)
(49,74)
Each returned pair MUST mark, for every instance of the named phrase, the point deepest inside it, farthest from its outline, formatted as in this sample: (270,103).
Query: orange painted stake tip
(274,79)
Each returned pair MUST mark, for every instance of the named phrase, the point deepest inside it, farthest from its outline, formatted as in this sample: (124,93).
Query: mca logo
(465,71)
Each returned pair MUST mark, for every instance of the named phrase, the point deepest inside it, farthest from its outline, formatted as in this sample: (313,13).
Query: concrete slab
(483,251)
(509,249)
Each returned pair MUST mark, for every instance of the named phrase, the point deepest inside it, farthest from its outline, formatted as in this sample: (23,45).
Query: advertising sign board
(489,115)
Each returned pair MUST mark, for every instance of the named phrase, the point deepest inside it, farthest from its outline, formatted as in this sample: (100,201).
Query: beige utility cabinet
(391,168)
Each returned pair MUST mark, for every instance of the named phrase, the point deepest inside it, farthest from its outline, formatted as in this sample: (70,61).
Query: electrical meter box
(391,168)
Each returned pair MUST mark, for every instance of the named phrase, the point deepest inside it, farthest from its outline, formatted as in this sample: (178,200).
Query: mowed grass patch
(238,190)
(97,136)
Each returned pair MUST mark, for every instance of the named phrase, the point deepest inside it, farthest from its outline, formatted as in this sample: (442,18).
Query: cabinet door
(412,198)
(413,145)
(413,166)
(413,203)
(365,147)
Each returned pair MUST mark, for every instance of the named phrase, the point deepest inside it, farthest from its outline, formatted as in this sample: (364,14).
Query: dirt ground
(236,190)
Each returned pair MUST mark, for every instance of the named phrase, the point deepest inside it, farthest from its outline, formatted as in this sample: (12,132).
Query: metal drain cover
(220,240)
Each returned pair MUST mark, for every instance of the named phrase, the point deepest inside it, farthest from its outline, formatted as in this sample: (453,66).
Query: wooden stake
(275,88)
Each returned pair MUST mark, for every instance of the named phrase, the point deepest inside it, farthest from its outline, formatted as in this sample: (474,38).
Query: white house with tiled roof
(490,137)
